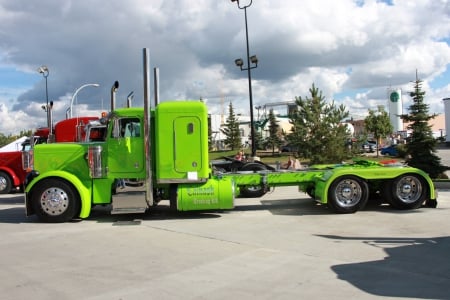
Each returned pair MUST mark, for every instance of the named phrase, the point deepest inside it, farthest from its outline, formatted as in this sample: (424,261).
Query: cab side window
(129,127)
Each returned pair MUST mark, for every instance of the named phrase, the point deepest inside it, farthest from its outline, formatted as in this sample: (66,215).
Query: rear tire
(5,183)
(55,201)
(253,191)
(407,191)
(348,194)
(310,192)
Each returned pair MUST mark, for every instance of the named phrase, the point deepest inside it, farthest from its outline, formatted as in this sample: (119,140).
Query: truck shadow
(16,215)
(288,207)
(12,199)
(310,207)
(413,268)
(102,214)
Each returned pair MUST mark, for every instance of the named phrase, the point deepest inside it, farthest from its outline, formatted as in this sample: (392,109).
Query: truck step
(129,203)
(128,210)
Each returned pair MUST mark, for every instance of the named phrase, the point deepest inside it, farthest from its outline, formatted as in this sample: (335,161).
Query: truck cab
(143,159)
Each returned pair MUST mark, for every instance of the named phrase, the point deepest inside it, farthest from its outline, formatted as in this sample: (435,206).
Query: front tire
(407,191)
(348,194)
(55,201)
(5,183)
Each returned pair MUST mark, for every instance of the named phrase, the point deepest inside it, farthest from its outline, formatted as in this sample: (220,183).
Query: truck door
(126,164)
(126,149)
(188,151)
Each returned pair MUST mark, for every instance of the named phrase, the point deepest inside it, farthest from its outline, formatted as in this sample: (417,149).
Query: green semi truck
(161,153)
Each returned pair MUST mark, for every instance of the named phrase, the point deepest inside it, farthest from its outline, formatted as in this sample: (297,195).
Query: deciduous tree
(378,123)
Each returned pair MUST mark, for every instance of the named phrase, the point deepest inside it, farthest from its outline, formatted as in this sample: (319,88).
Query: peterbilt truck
(162,153)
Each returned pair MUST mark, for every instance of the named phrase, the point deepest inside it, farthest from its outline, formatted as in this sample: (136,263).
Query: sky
(354,51)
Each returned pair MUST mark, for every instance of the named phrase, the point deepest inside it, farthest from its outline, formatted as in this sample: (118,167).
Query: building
(447,118)
(395,107)
(217,122)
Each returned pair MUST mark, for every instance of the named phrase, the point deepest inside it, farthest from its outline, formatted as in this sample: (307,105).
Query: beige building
(437,126)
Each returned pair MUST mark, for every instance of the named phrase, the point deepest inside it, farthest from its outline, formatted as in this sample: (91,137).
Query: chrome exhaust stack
(147,141)
(129,99)
(114,88)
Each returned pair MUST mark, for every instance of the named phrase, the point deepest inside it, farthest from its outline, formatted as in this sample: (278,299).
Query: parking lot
(280,246)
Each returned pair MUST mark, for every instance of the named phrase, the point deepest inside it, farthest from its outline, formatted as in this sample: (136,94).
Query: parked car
(289,148)
(389,150)
(373,145)
(369,146)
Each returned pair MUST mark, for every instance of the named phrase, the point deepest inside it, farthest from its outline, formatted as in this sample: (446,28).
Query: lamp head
(43,70)
(239,62)
(254,59)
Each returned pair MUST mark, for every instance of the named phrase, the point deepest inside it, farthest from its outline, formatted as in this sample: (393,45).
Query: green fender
(83,189)
(323,183)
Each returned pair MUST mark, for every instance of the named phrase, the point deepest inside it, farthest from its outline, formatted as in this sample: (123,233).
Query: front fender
(84,189)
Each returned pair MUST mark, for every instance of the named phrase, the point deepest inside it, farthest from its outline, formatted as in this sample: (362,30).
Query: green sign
(394,97)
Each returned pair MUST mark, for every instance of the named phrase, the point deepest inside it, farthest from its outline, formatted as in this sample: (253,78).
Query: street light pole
(239,62)
(76,92)
(44,71)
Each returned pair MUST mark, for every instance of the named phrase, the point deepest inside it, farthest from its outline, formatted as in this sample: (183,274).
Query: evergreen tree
(259,141)
(274,139)
(317,129)
(378,123)
(421,147)
(231,130)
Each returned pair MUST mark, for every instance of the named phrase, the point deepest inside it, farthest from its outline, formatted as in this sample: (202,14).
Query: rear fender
(323,184)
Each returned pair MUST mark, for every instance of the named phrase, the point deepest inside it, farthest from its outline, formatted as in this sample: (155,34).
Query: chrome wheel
(348,194)
(2,183)
(5,183)
(408,189)
(54,201)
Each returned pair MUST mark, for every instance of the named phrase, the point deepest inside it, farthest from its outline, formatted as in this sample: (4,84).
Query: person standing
(240,156)
(293,163)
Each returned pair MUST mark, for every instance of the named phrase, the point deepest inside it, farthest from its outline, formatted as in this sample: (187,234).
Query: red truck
(12,174)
